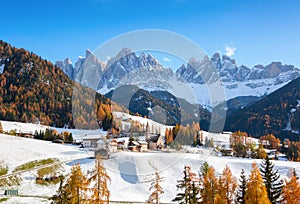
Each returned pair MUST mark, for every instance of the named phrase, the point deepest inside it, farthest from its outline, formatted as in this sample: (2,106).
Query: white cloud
(165,59)
(230,50)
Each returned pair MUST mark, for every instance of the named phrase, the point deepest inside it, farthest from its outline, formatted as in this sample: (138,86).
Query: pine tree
(154,197)
(100,192)
(256,192)
(189,185)
(291,190)
(204,169)
(60,197)
(242,188)
(271,179)
(227,186)
(76,186)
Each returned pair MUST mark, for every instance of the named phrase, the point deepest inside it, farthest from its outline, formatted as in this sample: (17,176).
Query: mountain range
(249,92)
(147,73)
(33,88)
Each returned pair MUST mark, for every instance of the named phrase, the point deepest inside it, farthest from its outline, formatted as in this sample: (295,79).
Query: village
(138,134)
(137,144)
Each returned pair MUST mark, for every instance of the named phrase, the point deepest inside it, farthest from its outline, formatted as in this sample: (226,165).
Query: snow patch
(2,68)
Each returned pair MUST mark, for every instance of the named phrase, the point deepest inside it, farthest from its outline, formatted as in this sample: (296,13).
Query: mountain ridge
(278,114)
(33,89)
(145,71)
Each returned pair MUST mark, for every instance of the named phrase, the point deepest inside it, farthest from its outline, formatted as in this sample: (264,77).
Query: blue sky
(260,31)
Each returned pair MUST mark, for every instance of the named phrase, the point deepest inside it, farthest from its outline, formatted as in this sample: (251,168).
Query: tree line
(263,185)
(243,146)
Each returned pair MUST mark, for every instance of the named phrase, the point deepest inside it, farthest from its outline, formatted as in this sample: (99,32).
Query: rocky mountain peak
(124,52)
(67,61)
(225,58)
(88,52)
(66,66)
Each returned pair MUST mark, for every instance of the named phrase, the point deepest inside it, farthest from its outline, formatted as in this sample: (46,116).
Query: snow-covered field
(129,171)
(141,120)
(31,128)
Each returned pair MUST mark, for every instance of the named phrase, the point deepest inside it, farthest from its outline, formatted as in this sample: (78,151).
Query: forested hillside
(160,106)
(33,89)
(277,113)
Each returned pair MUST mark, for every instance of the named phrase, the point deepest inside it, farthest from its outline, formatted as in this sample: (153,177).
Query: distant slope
(277,113)
(160,106)
(32,89)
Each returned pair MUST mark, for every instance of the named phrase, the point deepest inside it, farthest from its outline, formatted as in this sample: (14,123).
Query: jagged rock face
(229,71)
(128,68)
(144,71)
(198,72)
(88,70)
(67,67)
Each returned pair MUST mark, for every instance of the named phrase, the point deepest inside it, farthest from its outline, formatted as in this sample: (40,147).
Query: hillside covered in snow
(129,171)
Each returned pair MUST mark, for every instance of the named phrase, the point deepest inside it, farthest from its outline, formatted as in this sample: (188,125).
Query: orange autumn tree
(227,187)
(291,190)
(209,190)
(256,192)
(100,178)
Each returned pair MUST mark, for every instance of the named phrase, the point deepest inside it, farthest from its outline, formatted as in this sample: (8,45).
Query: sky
(250,31)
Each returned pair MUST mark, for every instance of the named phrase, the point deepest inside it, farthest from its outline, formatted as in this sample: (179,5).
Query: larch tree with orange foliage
(100,178)
(291,190)
(256,192)
(156,189)
(227,187)
(209,187)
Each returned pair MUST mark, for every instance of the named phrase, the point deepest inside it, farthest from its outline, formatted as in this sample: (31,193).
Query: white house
(113,146)
(143,146)
(90,141)
(101,144)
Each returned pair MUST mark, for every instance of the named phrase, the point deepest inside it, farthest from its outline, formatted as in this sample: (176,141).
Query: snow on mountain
(190,81)
(2,64)
(128,68)
(1,68)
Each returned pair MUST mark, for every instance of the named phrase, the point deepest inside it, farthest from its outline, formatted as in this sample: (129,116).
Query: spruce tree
(271,179)
(242,188)
(100,192)
(154,197)
(204,169)
(189,185)
(60,197)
